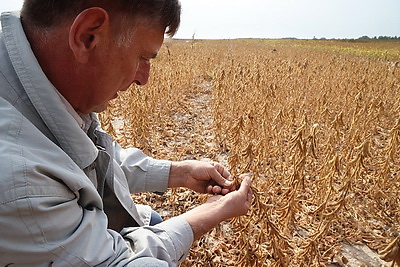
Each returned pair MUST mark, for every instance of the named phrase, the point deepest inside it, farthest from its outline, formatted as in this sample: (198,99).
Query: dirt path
(191,133)
(188,135)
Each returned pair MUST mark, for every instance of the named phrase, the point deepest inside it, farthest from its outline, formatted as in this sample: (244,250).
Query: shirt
(56,179)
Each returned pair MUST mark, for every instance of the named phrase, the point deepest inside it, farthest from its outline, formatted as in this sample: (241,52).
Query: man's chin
(100,108)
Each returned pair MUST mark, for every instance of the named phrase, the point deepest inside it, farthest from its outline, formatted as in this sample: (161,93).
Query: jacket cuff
(157,175)
(181,234)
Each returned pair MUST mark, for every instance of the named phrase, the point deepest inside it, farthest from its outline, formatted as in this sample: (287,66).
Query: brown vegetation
(319,130)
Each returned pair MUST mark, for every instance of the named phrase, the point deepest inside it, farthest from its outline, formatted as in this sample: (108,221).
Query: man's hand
(220,208)
(200,176)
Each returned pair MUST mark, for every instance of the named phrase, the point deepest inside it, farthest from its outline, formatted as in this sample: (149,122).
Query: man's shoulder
(19,137)
(9,116)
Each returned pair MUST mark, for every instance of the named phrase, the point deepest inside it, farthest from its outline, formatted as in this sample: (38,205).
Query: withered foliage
(319,131)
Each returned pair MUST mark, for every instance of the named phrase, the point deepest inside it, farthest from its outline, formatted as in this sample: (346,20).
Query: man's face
(116,68)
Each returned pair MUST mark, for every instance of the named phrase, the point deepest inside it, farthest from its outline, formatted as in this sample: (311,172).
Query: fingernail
(227,183)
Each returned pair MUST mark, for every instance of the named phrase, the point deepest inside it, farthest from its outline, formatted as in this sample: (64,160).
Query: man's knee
(148,262)
(155,218)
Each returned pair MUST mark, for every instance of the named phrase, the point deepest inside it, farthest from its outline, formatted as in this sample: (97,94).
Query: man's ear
(86,31)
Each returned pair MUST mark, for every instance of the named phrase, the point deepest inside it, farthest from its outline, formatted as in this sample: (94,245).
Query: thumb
(245,185)
(217,174)
(246,193)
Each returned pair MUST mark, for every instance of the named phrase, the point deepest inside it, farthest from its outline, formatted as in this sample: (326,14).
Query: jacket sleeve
(169,241)
(57,230)
(143,173)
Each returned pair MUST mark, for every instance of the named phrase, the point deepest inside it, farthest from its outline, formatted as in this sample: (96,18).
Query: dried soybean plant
(317,129)
(321,155)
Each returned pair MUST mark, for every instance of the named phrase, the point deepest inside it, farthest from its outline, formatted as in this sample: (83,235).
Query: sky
(303,19)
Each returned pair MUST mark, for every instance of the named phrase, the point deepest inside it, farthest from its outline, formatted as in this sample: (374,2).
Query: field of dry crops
(316,123)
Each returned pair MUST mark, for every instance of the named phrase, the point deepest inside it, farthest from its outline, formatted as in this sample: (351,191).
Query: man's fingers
(209,189)
(245,189)
(225,191)
(217,190)
(249,197)
(220,175)
(245,185)
(222,170)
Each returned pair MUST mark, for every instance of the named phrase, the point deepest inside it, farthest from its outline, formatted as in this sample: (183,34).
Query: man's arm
(143,173)
(52,226)
(219,208)
(146,174)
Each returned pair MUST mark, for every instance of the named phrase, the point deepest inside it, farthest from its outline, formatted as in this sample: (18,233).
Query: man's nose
(143,73)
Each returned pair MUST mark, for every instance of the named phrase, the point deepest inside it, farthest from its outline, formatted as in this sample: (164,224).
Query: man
(65,186)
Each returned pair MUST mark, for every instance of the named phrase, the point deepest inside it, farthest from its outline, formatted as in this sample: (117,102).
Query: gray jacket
(59,184)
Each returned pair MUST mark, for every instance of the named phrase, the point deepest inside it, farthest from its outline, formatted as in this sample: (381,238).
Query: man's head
(92,49)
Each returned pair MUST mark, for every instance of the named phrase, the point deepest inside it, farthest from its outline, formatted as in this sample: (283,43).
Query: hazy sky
(220,19)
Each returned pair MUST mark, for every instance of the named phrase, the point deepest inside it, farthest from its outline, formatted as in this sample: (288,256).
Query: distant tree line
(366,38)
(380,38)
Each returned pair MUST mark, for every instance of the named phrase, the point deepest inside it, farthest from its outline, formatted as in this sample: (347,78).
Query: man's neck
(56,63)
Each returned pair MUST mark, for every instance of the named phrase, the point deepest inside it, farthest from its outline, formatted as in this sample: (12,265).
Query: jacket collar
(70,137)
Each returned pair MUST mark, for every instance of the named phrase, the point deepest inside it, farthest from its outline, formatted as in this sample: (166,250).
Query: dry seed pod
(392,252)
(236,182)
